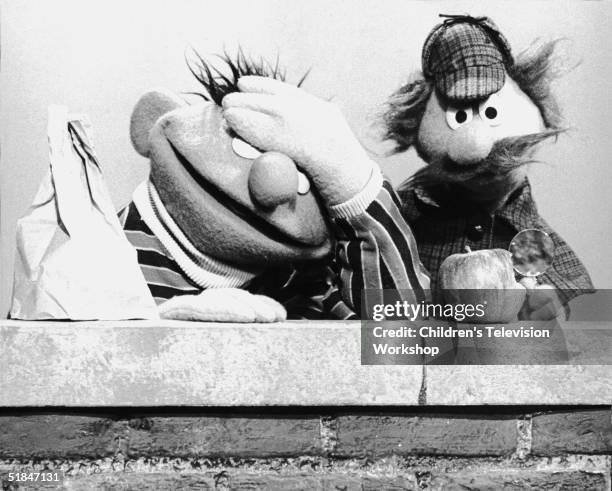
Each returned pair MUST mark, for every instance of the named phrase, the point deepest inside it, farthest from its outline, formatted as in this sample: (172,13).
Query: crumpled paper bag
(73,260)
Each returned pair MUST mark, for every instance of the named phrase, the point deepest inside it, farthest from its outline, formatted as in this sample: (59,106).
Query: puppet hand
(541,302)
(275,116)
(223,305)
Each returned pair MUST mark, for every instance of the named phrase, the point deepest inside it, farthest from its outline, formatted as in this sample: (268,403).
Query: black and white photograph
(305,245)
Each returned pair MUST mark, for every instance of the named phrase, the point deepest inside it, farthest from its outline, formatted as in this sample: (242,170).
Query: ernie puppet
(475,116)
(261,203)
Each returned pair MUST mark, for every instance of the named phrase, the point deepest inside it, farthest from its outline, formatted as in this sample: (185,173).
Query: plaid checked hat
(466,57)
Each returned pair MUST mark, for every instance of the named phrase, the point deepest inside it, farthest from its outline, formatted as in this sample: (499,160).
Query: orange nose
(470,144)
(273,180)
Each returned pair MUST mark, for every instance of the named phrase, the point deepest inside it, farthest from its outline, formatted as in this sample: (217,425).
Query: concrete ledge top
(303,363)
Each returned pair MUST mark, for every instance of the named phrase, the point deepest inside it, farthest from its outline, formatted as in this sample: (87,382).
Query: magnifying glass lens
(532,252)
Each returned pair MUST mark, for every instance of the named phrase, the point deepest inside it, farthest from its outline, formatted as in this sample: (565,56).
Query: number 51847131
(34,476)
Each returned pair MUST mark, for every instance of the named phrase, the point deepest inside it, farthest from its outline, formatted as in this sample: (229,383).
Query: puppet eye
(303,184)
(489,111)
(243,149)
(455,117)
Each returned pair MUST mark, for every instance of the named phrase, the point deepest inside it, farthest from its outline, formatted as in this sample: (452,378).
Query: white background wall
(98,57)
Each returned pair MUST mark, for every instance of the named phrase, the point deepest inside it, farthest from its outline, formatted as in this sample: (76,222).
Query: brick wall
(312,448)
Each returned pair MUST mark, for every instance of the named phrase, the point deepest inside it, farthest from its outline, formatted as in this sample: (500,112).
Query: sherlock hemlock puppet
(250,191)
(475,116)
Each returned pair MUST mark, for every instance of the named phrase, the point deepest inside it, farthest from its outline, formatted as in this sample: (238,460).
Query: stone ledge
(145,363)
(300,363)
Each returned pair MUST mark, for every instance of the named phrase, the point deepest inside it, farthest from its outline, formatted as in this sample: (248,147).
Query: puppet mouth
(466,172)
(240,210)
(451,167)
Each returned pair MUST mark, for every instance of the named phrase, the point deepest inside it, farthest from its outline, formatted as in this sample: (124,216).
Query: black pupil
(461,116)
(491,112)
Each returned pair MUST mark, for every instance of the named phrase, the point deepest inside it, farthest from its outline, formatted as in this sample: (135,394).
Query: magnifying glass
(532,252)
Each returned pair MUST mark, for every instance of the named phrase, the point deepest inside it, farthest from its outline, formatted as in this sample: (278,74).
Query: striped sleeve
(375,250)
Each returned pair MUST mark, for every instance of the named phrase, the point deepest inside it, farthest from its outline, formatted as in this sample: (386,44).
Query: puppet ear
(149,108)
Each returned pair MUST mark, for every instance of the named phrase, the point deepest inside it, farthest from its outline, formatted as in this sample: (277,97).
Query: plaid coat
(444,225)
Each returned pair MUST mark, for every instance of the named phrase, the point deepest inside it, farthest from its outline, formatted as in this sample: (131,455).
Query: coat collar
(519,210)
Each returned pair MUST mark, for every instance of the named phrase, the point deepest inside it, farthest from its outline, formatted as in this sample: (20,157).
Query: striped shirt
(374,250)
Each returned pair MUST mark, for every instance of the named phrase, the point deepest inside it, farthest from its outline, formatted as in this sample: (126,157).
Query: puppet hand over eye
(275,116)
(223,305)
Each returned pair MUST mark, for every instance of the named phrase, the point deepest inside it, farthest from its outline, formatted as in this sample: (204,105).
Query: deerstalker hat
(466,58)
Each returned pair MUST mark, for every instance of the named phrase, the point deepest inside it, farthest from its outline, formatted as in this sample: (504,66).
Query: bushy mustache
(506,155)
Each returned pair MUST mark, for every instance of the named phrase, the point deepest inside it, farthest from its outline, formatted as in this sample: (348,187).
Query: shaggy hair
(533,70)
(405,109)
(218,81)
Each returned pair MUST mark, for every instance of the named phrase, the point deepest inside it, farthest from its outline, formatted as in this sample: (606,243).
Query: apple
(482,277)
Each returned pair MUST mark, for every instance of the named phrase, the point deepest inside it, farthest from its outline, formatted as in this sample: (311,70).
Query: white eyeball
(244,149)
(456,118)
(303,183)
(490,112)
